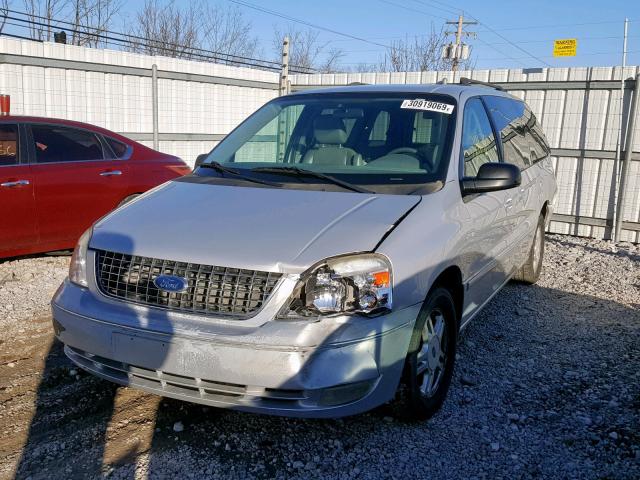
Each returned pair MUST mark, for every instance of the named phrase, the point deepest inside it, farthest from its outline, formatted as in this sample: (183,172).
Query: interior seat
(330,134)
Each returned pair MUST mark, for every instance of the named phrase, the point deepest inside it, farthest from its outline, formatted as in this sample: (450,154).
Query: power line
(313,25)
(499,35)
(591,54)
(412,9)
(448,10)
(532,27)
(581,38)
(513,44)
(547,40)
(493,48)
(304,22)
(582,54)
(128,40)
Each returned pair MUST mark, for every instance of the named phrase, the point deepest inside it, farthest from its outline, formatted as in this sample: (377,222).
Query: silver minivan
(322,259)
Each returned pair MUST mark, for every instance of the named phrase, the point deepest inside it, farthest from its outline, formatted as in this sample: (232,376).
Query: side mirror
(492,177)
(200,159)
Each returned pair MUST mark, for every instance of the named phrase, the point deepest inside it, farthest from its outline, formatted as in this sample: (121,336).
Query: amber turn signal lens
(381,279)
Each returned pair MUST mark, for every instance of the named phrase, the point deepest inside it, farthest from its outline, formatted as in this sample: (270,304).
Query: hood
(254,228)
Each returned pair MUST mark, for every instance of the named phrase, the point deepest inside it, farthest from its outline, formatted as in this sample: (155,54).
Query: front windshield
(387,142)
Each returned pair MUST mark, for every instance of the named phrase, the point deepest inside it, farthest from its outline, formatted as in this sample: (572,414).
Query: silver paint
(486,238)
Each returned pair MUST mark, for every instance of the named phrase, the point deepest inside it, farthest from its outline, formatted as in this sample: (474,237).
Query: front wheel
(429,364)
(530,272)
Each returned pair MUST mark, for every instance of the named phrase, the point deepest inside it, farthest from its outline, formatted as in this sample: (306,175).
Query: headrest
(329,130)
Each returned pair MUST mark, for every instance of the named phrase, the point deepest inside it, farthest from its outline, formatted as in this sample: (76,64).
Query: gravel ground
(547,384)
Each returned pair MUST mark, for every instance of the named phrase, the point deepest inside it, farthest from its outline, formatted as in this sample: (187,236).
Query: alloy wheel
(432,356)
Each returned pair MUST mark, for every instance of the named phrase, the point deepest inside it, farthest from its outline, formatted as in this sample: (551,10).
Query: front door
(76,182)
(17,205)
(487,220)
(515,122)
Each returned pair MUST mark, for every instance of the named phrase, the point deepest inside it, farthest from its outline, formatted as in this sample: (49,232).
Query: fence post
(284,74)
(154,101)
(624,172)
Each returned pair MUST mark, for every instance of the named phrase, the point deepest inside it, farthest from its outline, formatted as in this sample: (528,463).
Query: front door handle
(508,203)
(15,183)
(110,173)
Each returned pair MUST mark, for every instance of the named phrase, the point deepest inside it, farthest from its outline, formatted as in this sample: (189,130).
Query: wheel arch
(451,279)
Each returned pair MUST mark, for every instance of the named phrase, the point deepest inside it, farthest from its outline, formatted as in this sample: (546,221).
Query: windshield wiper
(297,171)
(230,171)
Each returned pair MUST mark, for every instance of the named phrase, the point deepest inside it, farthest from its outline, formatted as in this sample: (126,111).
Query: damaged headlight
(78,265)
(348,284)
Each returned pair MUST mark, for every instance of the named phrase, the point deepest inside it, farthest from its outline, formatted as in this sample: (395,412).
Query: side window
(64,144)
(378,135)
(8,145)
(119,149)
(514,122)
(538,143)
(478,142)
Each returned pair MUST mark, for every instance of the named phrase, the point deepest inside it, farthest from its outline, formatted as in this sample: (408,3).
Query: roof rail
(471,81)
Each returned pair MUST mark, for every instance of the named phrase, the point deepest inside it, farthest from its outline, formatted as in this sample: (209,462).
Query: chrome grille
(211,289)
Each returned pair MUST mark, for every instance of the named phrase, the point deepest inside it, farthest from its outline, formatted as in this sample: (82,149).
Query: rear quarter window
(119,149)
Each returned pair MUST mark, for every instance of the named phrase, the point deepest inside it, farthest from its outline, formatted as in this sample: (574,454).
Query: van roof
(455,90)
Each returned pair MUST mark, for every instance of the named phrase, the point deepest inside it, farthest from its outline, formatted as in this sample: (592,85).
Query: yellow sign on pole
(565,47)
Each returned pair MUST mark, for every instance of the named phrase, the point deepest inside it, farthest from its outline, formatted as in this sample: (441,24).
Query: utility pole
(458,51)
(615,232)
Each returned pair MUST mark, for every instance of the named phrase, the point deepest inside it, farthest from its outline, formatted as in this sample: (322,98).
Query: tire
(128,199)
(529,273)
(429,364)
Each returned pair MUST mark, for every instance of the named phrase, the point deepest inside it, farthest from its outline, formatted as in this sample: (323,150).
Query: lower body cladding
(324,374)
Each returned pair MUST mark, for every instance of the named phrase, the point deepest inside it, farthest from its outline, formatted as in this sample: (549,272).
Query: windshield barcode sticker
(427,105)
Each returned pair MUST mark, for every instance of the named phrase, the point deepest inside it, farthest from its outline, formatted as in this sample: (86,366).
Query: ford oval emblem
(171,283)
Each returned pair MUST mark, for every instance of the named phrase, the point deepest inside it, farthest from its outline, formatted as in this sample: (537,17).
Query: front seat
(330,134)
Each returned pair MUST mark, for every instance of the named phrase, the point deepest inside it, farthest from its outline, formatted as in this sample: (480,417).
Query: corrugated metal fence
(581,110)
(198,103)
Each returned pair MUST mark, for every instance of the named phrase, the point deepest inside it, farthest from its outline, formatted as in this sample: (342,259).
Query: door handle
(110,173)
(508,203)
(15,183)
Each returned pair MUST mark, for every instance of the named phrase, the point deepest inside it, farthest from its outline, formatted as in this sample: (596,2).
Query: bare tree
(166,29)
(42,15)
(419,54)
(91,19)
(225,30)
(307,52)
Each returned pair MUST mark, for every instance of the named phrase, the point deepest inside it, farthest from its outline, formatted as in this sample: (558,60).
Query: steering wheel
(401,150)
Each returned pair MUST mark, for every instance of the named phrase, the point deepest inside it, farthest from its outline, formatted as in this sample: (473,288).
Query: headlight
(349,284)
(78,265)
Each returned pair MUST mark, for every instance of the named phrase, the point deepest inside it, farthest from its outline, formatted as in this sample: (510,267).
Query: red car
(57,177)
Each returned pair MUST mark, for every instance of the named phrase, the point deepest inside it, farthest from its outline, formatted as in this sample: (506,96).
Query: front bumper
(334,367)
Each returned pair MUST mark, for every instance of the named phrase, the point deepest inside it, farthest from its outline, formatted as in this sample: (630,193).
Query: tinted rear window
(119,148)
